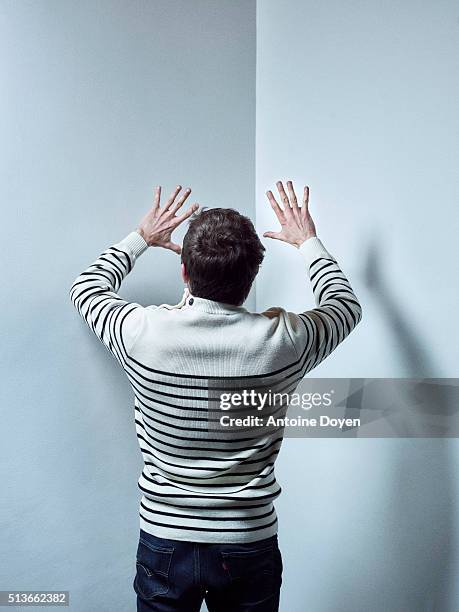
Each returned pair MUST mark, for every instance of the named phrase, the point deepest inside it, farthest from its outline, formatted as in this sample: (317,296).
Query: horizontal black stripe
(209,496)
(244,486)
(232,460)
(198,517)
(216,529)
(218,475)
(217,508)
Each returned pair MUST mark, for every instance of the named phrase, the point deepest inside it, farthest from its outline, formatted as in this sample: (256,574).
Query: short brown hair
(222,254)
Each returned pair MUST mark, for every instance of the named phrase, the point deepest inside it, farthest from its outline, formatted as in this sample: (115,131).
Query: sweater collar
(198,303)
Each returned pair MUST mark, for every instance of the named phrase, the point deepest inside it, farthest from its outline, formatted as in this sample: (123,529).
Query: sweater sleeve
(114,321)
(316,333)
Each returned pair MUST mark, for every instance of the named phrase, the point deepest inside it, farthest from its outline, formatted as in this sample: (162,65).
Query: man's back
(203,483)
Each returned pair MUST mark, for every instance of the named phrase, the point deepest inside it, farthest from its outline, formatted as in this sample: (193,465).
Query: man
(208,527)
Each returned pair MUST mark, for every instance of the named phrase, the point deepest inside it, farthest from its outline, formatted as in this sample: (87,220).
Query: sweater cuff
(135,243)
(312,249)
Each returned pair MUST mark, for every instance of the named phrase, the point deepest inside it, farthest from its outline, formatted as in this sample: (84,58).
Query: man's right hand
(296,222)
(158,224)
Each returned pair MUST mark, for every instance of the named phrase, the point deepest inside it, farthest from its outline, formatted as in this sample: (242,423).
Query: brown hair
(222,254)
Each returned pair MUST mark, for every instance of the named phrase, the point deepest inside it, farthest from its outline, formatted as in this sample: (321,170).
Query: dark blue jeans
(176,576)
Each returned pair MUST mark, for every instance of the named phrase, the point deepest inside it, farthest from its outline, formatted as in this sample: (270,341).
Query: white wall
(100,102)
(357,100)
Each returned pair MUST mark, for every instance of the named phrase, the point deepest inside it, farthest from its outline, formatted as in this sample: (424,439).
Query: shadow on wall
(421,506)
(417,360)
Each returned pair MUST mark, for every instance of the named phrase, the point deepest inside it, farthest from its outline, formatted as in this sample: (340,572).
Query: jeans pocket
(252,575)
(153,566)
(249,563)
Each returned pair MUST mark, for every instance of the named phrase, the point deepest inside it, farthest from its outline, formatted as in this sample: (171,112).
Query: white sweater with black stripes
(198,483)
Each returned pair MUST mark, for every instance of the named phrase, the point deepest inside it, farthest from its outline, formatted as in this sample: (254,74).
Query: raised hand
(158,224)
(296,222)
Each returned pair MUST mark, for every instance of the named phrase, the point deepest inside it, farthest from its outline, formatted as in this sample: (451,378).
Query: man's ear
(184,274)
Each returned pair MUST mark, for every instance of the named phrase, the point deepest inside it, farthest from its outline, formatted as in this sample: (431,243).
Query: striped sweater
(199,483)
